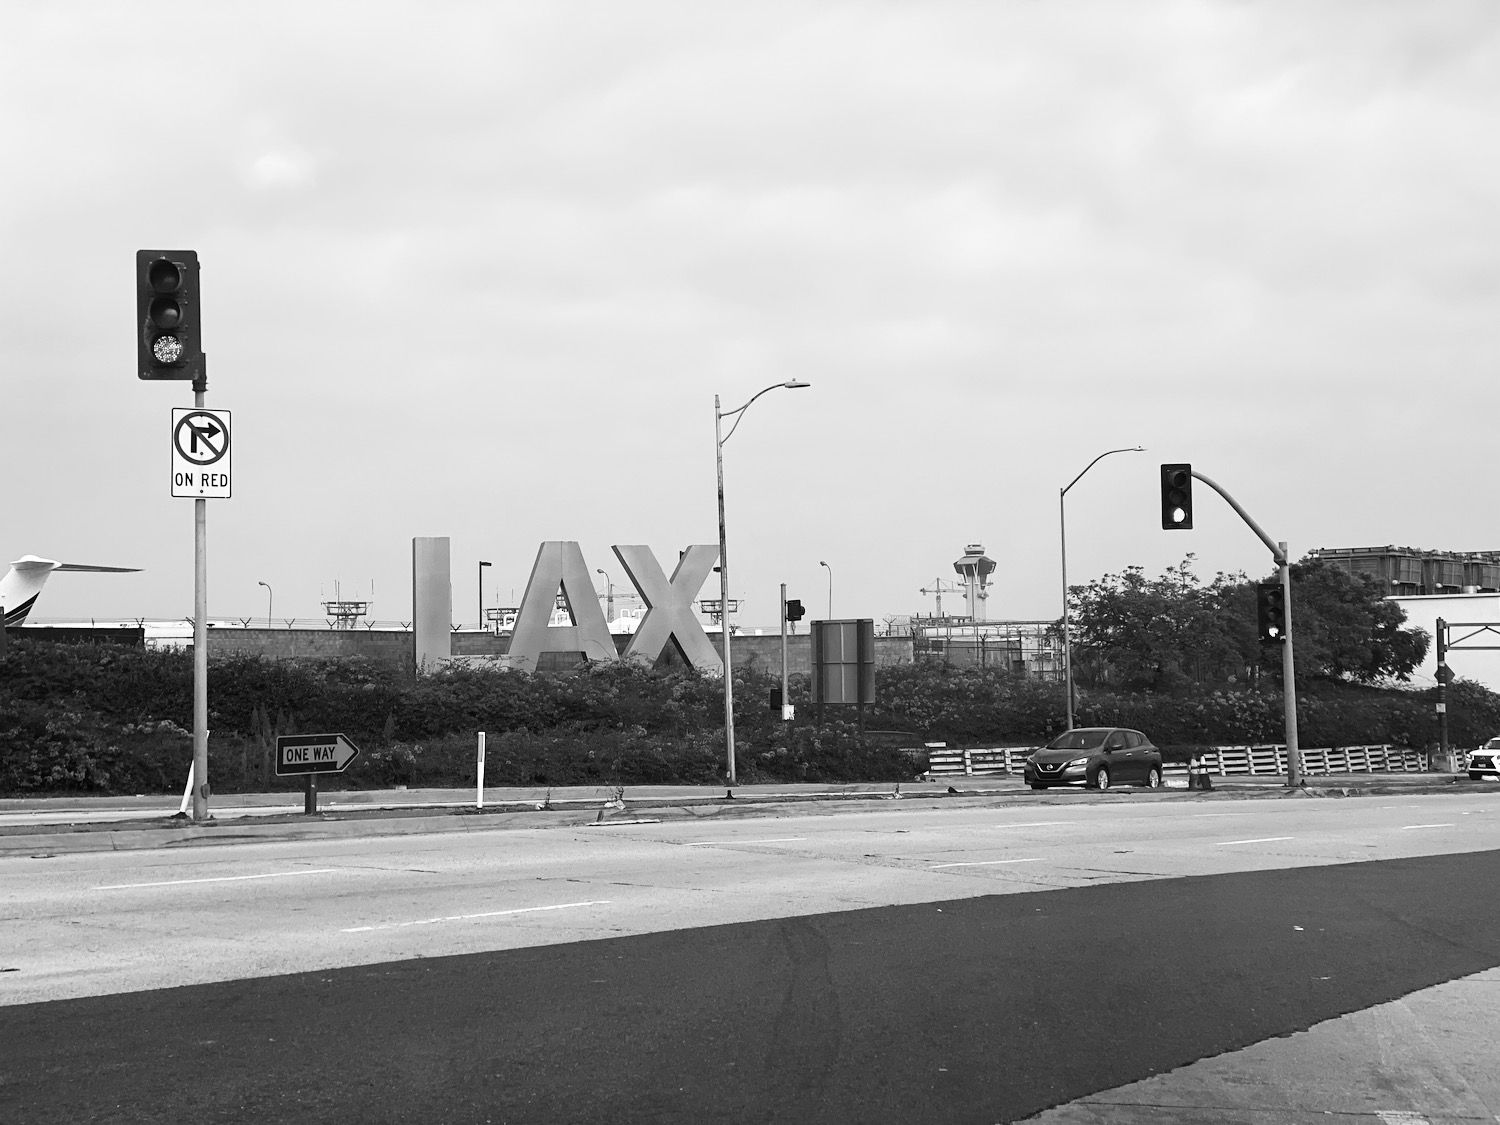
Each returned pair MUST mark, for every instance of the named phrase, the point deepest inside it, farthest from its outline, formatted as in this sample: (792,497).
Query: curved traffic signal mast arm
(1276,550)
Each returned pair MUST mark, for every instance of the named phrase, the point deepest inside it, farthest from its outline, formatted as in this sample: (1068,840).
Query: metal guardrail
(1225,761)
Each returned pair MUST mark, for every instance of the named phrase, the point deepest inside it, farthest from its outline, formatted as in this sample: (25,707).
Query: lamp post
(830,588)
(719,439)
(267,585)
(1062,523)
(609,594)
(482,565)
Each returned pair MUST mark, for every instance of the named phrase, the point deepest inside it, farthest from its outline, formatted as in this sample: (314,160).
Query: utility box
(843,661)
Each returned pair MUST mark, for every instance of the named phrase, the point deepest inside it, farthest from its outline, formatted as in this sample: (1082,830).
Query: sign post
(479,797)
(310,755)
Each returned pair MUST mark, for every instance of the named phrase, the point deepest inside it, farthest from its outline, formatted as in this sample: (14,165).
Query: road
(919,961)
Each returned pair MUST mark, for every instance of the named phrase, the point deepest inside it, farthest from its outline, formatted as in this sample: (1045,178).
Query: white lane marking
(713,843)
(1031,824)
(222,879)
(1260,840)
(1203,814)
(471,917)
(620,823)
(1409,827)
(1401,1117)
(983,863)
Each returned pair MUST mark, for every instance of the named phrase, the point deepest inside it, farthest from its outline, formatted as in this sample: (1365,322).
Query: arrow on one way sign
(313,753)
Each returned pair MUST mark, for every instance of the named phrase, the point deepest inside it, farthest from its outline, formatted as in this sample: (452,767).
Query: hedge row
(109,718)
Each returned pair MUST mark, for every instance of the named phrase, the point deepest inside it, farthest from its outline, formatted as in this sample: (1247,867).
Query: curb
(175,832)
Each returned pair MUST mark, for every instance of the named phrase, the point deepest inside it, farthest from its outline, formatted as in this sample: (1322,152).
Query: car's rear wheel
(1153,778)
(1101,778)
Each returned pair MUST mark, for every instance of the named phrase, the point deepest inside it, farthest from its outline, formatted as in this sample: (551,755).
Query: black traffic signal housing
(1176,497)
(169,339)
(794,610)
(1270,612)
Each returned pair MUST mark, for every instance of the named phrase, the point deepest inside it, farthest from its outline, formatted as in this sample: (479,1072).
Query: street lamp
(609,594)
(1062,522)
(482,565)
(830,588)
(719,439)
(267,585)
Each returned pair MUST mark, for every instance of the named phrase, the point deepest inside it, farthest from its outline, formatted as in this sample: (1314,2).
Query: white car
(1485,762)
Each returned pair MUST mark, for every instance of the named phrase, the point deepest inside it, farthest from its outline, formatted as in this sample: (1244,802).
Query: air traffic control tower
(975,568)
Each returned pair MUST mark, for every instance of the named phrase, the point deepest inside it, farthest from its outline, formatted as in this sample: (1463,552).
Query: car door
(1147,755)
(1117,757)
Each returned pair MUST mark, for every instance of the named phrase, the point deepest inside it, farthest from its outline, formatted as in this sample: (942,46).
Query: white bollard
(187,792)
(479,797)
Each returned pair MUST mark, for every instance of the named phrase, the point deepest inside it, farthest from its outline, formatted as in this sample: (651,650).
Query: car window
(1132,739)
(1077,740)
(1116,740)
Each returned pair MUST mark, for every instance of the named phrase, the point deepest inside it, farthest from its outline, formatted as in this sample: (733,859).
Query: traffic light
(1270,612)
(1176,497)
(794,610)
(169,340)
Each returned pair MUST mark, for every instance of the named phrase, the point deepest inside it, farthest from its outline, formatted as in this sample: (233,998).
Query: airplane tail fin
(28,574)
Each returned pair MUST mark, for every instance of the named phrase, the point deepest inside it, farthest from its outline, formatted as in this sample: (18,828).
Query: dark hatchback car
(1099,757)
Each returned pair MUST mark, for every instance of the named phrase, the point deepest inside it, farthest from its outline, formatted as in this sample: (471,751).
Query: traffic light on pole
(169,339)
(1270,612)
(1176,497)
(794,610)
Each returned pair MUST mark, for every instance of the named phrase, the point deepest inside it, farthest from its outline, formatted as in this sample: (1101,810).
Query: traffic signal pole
(1443,676)
(200,639)
(1288,666)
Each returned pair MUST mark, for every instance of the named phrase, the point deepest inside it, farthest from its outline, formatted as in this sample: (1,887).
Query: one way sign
(200,454)
(313,753)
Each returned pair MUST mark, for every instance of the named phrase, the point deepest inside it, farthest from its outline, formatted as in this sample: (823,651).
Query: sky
(479,270)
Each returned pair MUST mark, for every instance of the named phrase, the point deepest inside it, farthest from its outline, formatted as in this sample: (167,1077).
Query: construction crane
(940,587)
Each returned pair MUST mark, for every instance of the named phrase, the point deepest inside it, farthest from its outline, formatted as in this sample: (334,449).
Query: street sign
(200,453)
(313,753)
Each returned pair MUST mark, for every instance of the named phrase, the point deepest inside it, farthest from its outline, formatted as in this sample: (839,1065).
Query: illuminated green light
(166,349)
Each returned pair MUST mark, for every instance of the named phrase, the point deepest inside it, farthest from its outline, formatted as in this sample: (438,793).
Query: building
(1410,572)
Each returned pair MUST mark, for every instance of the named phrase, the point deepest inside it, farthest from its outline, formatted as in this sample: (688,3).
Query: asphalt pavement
(986,1009)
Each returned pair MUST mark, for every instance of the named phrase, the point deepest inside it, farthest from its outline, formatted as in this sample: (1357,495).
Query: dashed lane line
(1258,840)
(222,879)
(747,840)
(1409,827)
(983,863)
(472,917)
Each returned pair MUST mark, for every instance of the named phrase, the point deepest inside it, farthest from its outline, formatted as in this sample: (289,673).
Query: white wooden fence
(1226,761)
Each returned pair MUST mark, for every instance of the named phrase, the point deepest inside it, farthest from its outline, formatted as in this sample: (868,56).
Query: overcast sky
(478,270)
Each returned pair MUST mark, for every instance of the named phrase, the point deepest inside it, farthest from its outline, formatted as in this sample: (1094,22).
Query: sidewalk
(81,823)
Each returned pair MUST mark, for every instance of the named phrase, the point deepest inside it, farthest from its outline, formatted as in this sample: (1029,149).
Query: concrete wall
(394,647)
(1422,612)
(764,653)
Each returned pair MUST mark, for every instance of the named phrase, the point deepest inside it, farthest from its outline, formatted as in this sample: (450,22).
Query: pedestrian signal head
(1176,497)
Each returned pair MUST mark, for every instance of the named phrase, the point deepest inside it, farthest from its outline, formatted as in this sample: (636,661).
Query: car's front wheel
(1101,778)
(1153,778)
(1036,785)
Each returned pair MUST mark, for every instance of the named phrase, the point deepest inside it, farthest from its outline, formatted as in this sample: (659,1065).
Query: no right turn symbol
(200,438)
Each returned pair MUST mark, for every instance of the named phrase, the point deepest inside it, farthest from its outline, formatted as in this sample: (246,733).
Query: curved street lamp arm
(741,410)
(1102,456)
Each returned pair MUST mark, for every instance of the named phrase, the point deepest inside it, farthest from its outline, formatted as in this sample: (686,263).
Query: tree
(1162,634)
(1343,628)
(1159,634)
